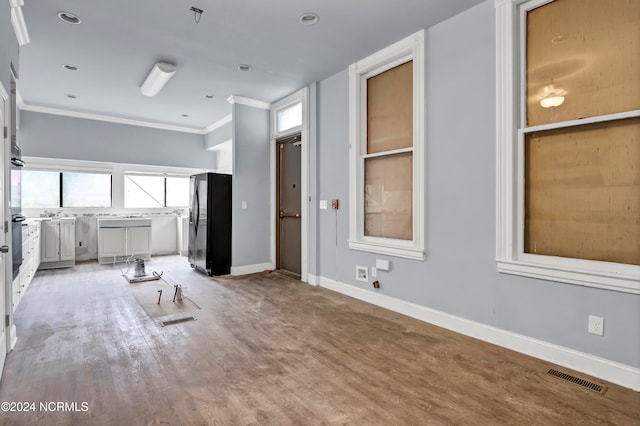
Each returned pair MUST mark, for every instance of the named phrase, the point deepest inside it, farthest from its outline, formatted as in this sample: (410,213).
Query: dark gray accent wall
(459,273)
(251,177)
(56,136)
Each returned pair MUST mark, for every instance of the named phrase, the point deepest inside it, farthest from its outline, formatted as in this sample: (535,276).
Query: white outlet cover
(362,273)
(596,325)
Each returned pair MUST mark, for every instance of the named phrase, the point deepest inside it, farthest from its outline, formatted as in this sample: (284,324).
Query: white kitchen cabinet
(183,235)
(30,260)
(58,245)
(122,238)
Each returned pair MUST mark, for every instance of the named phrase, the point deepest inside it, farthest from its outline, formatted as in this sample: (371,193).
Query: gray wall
(55,136)
(7,42)
(459,273)
(251,177)
(219,135)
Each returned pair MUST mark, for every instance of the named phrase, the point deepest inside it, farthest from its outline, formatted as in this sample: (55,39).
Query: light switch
(323,204)
(244,205)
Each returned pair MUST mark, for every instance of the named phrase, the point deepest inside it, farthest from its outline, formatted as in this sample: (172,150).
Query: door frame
(302,96)
(8,330)
(279,144)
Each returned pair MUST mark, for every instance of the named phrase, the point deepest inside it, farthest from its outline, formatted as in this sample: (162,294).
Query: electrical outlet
(362,273)
(596,325)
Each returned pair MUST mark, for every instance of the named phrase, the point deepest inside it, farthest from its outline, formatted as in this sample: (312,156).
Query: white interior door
(5,285)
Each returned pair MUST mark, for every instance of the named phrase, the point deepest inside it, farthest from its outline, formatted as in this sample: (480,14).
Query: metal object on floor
(138,270)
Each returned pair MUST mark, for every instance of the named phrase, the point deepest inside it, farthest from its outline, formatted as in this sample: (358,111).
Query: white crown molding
(19,101)
(248,102)
(213,126)
(615,372)
(100,117)
(3,92)
(252,269)
(110,119)
(18,23)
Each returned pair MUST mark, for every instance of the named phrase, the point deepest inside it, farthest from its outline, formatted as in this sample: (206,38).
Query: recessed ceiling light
(185,115)
(69,17)
(71,96)
(245,67)
(71,67)
(309,19)
(208,96)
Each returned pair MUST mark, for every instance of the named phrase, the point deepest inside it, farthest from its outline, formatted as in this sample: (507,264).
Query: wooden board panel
(390,109)
(389,196)
(590,49)
(582,191)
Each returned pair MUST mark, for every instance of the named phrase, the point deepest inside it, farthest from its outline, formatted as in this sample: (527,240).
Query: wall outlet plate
(362,273)
(382,264)
(596,325)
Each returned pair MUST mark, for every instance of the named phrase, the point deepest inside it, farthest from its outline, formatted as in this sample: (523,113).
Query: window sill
(626,281)
(405,252)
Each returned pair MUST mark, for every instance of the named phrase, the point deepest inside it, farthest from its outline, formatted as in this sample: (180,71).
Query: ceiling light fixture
(71,67)
(157,78)
(309,19)
(551,97)
(551,101)
(69,18)
(18,23)
(245,67)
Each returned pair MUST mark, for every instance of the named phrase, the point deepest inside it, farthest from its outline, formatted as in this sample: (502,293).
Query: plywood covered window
(577,142)
(387,145)
(388,165)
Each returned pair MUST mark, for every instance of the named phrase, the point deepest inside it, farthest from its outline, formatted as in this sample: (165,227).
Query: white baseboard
(252,269)
(618,373)
(313,279)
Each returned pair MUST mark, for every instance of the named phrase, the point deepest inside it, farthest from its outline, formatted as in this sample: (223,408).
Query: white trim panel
(301,96)
(252,269)
(213,126)
(411,48)
(241,100)
(510,256)
(313,280)
(618,373)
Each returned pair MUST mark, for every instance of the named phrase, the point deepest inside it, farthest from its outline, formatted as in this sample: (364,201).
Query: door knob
(4,249)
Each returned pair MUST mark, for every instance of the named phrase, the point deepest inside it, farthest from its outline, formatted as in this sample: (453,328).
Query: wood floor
(267,350)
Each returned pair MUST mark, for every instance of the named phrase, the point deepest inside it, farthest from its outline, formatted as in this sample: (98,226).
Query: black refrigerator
(210,223)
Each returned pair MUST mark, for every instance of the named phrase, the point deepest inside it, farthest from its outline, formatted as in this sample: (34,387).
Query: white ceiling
(118,41)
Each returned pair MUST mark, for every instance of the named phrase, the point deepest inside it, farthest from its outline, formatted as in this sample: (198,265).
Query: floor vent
(584,383)
(177,321)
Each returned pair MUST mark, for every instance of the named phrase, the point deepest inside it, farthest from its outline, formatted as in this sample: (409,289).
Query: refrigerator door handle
(198,214)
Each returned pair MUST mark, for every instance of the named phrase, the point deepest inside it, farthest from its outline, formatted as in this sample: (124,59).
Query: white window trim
(410,48)
(301,96)
(117,171)
(510,256)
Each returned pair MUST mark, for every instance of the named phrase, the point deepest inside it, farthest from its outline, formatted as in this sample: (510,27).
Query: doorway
(288,196)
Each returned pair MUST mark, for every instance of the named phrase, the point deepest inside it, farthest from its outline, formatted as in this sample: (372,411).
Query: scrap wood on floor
(159,298)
